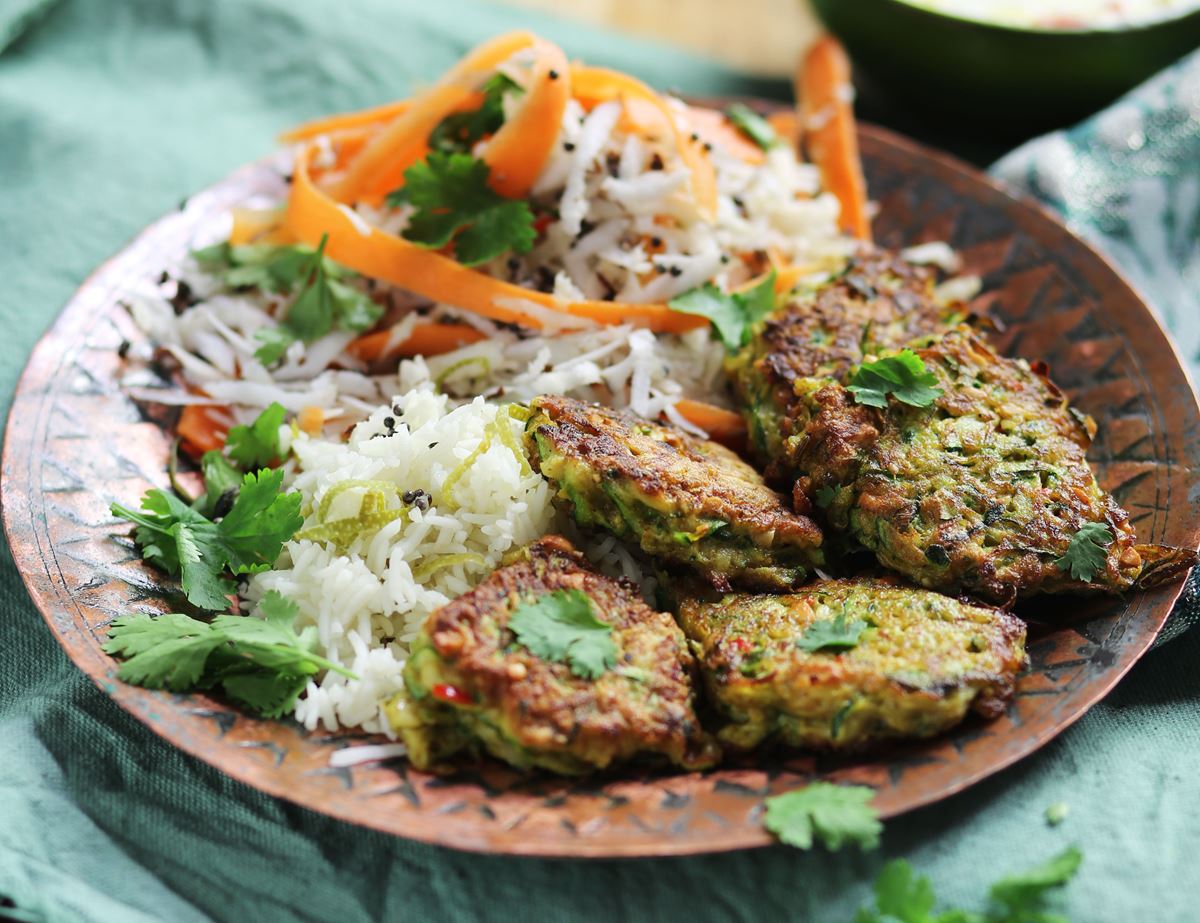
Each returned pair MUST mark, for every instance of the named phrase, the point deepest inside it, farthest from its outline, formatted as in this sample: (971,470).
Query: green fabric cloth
(109,113)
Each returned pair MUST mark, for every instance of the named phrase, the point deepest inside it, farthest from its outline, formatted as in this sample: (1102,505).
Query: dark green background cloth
(110,112)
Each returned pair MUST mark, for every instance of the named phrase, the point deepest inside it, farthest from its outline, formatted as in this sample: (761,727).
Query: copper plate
(75,442)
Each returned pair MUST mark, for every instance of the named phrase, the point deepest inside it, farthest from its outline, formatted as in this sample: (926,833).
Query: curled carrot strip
(312,213)
(518,152)
(424,340)
(595,85)
(203,428)
(724,426)
(825,95)
(381,165)
(363,118)
(715,127)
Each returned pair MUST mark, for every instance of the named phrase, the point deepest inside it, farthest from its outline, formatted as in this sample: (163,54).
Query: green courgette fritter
(877,304)
(984,491)
(686,501)
(843,664)
(473,686)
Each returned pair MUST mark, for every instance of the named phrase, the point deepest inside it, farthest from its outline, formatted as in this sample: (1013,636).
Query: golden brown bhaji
(472,686)
(685,501)
(912,665)
(878,304)
(982,492)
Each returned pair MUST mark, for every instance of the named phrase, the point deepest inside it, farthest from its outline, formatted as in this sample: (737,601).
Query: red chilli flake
(451,695)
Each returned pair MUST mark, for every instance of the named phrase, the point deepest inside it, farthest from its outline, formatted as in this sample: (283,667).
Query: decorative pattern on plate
(75,443)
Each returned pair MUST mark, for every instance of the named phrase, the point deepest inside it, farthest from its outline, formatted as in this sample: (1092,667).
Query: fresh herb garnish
(1088,551)
(832,634)
(461,131)
(265,266)
(453,201)
(824,496)
(261,663)
(561,626)
(221,483)
(257,445)
(752,125)
(902,897)
(323,298)
(183,541)
(834,814)
(904,376)
(733,314)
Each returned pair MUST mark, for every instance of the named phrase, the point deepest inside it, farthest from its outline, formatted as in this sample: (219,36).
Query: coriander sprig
(452,201)
(562,626)
(903,376)
(261,663)
(732,314)
(185,542)
(901,895)
(323,299)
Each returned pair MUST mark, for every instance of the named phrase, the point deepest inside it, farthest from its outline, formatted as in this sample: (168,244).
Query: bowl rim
(1082,32)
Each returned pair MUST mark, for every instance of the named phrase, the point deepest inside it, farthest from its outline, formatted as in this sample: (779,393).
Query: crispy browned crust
(925,661)
(878,304)
(651,483)
(644,705)
(981,492)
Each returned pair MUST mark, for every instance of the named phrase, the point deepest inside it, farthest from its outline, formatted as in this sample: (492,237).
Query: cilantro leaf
(835,814)
(266,266)
(832,634)
(261,663)
(323,302)
(461,131)
(260,521)
(901,894)
(257,445)
(561,626)
(272,695)
(220,478)
(752,125)
(168,651)
(183,541)
(451,196)
(1025,893)
(904,376)
(732,314)
(1088,552)
(323,299)
(275,342)
(902,897)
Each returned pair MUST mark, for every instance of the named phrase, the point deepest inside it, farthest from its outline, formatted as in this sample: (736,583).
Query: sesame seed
(389,422)
(123,349)
(695,136)
(553,75)
(676,271)
(568,146)
(655,241)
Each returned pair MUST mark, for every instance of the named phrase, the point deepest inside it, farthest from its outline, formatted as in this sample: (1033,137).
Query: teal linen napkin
(1128,180)
(109,113)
